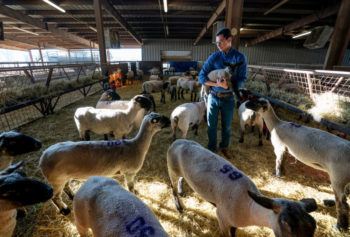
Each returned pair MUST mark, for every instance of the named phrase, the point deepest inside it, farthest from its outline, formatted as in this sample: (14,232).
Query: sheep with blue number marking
(106,208)
(107,121)
(238,201)
(64,161)
(314,147)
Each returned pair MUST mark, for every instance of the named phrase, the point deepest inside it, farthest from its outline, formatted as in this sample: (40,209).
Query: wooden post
(340,38)
(101,43)
(233,20)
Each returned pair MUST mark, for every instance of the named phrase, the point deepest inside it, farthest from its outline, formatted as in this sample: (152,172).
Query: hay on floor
(152,181)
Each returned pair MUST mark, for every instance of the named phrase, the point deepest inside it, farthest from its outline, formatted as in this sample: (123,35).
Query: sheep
(130,75)
(109,95)
(149,87)
(313,147)
(154,71)
(238,201)
(251,118)
(154,78)
(187,115)
(117,212)
(106,121)
(64,161)
(184,83)
(17,190)
(218,74)
(139,74)
(14,143)
(123,104)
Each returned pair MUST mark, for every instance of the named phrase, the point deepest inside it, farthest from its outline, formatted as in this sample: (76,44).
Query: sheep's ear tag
(154,120)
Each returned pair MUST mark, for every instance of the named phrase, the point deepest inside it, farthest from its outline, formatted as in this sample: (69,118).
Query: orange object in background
(116,78)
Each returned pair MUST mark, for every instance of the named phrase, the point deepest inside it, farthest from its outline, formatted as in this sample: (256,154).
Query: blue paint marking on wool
(232,174)
(295,125)
(138,228)
(114,143)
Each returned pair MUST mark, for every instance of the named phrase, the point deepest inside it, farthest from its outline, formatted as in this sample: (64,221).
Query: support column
(69,57)
(101,43)
(233,19)
(91,54)
(41,55)
(340,38)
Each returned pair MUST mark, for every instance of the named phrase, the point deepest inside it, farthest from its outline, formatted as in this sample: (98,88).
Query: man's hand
(222,82)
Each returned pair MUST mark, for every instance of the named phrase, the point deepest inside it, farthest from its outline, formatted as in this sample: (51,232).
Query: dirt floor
(153,184)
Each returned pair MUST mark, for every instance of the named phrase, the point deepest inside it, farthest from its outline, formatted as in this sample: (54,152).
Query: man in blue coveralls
(220,98)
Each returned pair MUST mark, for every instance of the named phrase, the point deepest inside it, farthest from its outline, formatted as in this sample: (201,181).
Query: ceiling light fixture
(27,31)
(241,29)
(92,28)
(301,34)
(165,3)
(55,6)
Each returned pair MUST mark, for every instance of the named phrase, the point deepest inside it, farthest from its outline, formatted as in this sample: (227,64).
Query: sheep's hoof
(65,211)
(329,202)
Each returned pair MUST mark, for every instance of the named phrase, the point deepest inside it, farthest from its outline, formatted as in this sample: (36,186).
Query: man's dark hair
(226,32)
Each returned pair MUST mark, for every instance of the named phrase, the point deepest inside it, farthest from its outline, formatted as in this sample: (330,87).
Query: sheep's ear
(309,204)
(265,202)
(264,105)
(12,168)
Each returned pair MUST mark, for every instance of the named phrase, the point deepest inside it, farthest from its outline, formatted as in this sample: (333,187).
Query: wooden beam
(115,14)
(233,19)
(276,6)
(211,20)
(340,38)
(296,24)
(17,15)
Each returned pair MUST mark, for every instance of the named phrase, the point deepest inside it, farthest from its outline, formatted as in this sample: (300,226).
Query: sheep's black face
(14,143)
(155,118)
(17,190)
(294,221)
(144,102)
(292,217)
(232,66)
(260,105)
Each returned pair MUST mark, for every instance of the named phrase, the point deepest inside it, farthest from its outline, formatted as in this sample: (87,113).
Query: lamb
(154,71)
(314,147)
(218,74)
(149,87)
(238,201)
(14,143)
(187,115)
(187,84)
(139,74)
(123,104)
(16,191)
(79,160)
(106,121)
(131,217)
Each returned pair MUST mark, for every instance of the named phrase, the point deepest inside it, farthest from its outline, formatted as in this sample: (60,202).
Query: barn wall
(268,52)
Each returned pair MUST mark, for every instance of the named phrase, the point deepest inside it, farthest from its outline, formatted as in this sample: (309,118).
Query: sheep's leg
(225,229)
(260,136)
(173,177)
(82,229)
(105,137)
(182,94)
(241,131)
(279,151)
(178,93)
(162,97)
(180,190)
(87,135)
(68,190)
(341,205)
(57,198)
(129,179)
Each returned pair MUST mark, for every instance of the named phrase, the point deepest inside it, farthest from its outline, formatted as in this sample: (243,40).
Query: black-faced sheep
(238,201)
(314,147)
(17,190)
(64,161)
(116,212)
